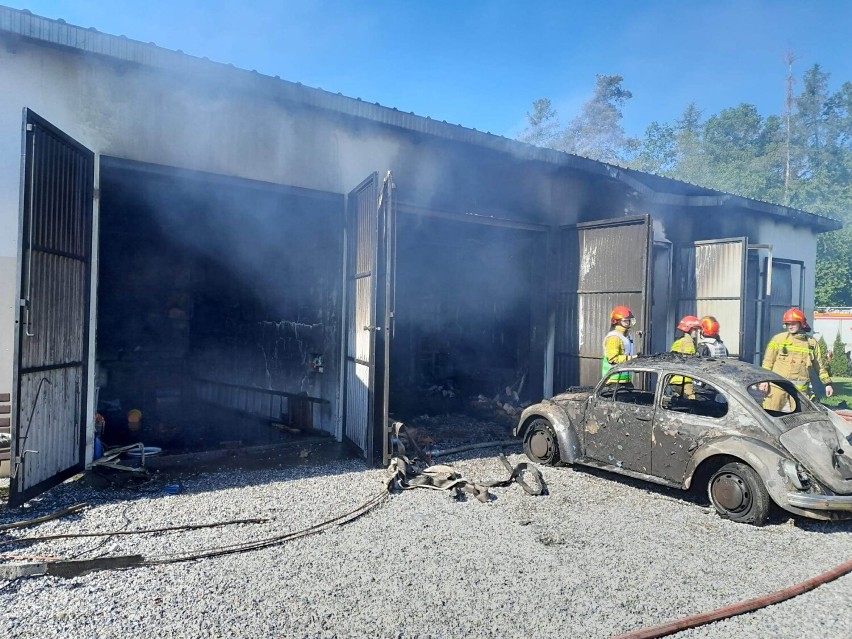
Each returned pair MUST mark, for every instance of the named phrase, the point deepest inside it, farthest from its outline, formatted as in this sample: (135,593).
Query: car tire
(737,493)
(540,443)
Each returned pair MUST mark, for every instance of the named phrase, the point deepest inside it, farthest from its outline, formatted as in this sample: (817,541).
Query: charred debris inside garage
(219,306)
(466,311)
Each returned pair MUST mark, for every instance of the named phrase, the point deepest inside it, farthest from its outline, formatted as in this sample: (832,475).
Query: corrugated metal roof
(58,33)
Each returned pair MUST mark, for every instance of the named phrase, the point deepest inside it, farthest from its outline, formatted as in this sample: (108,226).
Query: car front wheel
(737,493)
(540,443)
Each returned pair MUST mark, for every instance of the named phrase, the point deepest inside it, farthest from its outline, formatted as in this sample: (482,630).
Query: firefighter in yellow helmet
(792,354)
(618,344)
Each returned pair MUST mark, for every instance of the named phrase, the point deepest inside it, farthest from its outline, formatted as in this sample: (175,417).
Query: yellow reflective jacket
(685,345)
(792,356)
(615,352)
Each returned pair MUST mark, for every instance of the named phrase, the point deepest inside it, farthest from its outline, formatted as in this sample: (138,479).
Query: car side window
(639,390)
(684,394)
(775,399)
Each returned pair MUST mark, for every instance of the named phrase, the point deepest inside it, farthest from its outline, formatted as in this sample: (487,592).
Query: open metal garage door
(602,264)
(52,331)
(370,216)
(710,279)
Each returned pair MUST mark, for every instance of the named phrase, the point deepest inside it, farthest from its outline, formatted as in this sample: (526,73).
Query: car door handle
(643,419)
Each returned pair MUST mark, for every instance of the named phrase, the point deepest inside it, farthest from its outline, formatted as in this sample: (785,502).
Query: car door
(681,420)
(619,422)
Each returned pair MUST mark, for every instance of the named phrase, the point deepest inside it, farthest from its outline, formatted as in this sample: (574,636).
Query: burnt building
(184,238)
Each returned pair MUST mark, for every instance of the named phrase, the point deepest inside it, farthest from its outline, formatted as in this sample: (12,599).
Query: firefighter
(709,343)
(792,354)
(685,345)
(618,343)
(690,325)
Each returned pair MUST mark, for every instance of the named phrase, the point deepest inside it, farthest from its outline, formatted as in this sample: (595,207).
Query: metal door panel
(602,264)
(711,281)
(52,332)
(619,434)
(370,218)
(361,246)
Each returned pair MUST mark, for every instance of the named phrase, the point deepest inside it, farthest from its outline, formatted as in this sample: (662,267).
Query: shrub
(839,364)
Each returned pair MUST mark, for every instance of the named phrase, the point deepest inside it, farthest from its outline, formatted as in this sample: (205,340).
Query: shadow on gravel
(219,470)
(697,497)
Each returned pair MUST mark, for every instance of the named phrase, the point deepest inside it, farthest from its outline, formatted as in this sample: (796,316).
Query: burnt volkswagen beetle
(693,422)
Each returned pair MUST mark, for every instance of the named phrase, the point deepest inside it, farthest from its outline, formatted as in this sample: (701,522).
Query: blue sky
(481,63)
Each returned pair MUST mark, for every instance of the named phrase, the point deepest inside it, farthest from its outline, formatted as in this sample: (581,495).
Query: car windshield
(779,398)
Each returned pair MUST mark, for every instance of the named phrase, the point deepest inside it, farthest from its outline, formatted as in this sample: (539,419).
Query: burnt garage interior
(218,309)
(218,318)
(468,310)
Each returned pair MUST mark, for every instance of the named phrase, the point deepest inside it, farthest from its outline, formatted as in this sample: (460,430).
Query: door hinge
(29,127)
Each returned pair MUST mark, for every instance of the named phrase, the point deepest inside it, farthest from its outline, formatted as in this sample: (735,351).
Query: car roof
(732,370)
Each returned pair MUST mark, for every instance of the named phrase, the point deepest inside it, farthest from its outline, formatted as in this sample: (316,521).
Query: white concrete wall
(792,243)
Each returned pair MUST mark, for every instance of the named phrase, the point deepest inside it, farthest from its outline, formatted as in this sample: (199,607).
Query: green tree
(542,124)
(690,135)
(839,365)
(597,132)
(740,152)
(658,150)
(823,346)
(834,269)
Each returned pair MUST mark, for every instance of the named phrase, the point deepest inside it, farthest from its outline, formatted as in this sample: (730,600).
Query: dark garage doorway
(469,315)
(218,309)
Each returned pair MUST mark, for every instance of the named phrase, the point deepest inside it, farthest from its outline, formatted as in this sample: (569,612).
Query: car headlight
(795,474)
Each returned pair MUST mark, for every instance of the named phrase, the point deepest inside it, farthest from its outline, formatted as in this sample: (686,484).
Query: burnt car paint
(815,441)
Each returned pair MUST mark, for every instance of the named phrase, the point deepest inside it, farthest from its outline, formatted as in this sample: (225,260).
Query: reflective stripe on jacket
(792,356)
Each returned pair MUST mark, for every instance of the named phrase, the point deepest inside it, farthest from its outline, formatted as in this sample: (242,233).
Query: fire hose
(743,607)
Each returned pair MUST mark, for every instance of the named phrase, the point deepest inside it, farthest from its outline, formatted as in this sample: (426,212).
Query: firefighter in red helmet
(689,325)
(618,344)
(792,354)
(709,343)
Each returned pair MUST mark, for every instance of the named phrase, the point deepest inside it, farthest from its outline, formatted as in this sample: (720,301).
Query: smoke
(264,262)
(659,230)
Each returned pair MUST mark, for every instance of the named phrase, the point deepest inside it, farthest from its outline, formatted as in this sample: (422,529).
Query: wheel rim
(731,493)
(541,444)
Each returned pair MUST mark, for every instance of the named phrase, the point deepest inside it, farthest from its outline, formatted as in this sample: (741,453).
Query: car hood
(578,395)
(824,446)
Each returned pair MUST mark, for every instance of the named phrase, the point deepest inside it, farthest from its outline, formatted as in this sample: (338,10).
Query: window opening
(692,396)
(639,391)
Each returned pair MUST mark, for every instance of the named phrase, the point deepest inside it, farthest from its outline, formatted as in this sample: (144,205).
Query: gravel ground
(594,558)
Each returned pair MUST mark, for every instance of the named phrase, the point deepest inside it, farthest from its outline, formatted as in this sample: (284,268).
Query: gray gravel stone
(596,557)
